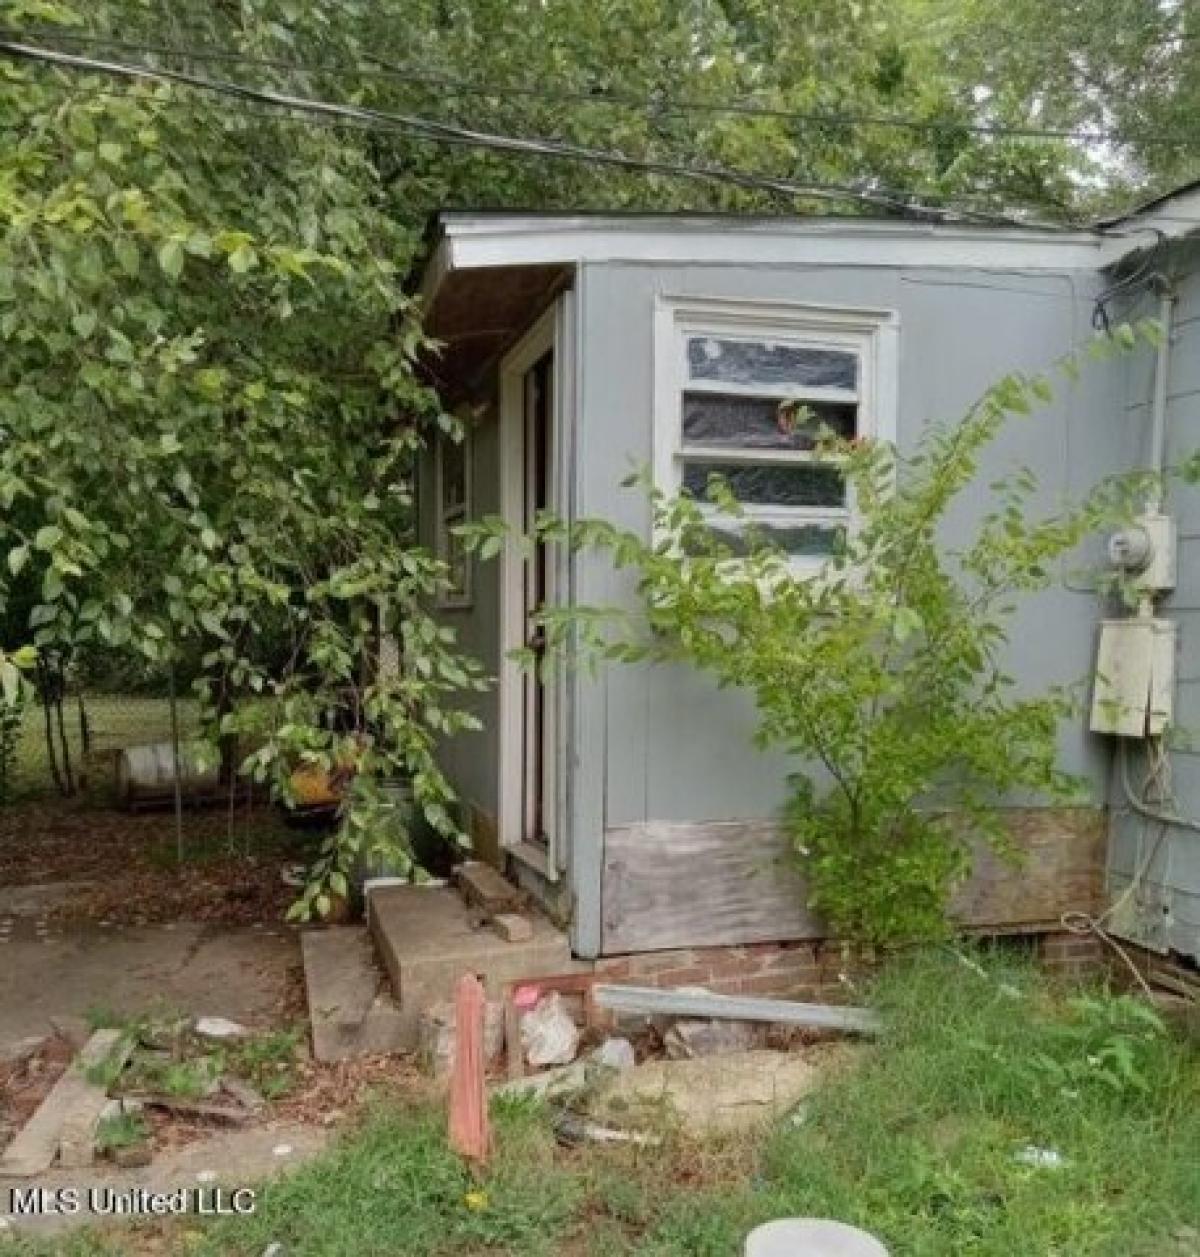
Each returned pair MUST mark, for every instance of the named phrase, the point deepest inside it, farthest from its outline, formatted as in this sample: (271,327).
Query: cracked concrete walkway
(48,971)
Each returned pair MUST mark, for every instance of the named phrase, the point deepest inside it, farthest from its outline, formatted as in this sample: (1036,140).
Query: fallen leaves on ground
(230,872)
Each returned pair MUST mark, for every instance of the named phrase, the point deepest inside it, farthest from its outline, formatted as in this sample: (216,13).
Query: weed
(268,1061)
(188,1079)
(105,1073)
(122,1131)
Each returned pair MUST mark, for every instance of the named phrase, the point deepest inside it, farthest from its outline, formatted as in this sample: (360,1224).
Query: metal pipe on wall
(1158,412)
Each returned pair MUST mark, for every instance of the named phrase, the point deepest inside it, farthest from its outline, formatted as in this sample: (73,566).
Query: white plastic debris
(274,1249)
(220,1028)
(790,1237)
(1042,1158)
(282,1150)
(615,1054)
(549,1034)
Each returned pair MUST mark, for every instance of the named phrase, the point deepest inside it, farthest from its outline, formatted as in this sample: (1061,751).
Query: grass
(122,1131)
(921,1143)
(265,1059)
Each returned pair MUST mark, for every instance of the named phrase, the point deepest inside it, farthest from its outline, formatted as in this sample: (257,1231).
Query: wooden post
(469,1134)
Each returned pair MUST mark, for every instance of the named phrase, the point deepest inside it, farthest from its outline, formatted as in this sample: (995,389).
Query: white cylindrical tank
(146,774)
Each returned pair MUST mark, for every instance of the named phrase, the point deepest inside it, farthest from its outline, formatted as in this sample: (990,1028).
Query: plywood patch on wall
(688,884)
(1061,870)
(720,883)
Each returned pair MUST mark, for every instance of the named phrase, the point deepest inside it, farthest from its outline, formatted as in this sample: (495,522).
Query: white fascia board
(488,241)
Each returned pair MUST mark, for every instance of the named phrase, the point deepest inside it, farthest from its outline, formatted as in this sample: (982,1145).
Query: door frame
(550,333)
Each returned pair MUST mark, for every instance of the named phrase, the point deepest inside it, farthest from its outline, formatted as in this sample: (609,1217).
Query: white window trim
(872,334)
(445,519)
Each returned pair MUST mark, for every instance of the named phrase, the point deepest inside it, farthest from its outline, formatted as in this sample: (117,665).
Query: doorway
(533,470)
(537,777)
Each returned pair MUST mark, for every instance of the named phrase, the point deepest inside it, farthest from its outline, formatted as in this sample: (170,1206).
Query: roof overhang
(477,314)
(491,273)
(469,241)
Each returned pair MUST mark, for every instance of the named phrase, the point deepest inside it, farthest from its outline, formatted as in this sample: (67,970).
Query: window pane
(761,423)
(458,561)
(808,485)
(454,473)
(762,362)
(800,539)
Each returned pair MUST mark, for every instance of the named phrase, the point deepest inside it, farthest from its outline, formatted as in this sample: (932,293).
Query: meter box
(1133,694)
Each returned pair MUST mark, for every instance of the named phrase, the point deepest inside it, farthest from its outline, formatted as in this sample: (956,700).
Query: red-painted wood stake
(469,1133)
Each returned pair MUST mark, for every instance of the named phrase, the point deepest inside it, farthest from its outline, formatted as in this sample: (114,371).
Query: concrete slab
(350,1012)
(428,938)
(34,900)
(225,971)
(712,1093)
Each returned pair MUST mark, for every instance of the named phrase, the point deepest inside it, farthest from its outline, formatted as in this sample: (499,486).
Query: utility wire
(433,129)
(243,111)
(383,69)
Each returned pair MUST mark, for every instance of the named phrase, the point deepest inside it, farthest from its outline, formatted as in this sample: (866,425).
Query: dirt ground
(127,868)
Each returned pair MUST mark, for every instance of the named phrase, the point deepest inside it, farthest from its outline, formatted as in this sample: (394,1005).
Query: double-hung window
(744,390)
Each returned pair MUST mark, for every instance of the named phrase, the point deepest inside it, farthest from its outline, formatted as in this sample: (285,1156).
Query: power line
(387,70)
(244,110)
(486,140)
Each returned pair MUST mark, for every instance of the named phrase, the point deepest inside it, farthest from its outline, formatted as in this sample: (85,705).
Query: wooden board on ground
(66,1119)
(722,883)
(658,1001)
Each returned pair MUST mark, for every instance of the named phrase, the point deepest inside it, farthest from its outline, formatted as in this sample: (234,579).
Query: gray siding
(1166,906)
(662,744)
(471,760)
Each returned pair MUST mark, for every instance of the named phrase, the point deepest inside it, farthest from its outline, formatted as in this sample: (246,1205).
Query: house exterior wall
(471,760)
(656,744)
(1163,911)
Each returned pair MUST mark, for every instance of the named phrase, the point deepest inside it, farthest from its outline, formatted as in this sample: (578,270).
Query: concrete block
(512,927)
(427,940)
(349,1012)
(438,1038)
(64,1124)
(484,887)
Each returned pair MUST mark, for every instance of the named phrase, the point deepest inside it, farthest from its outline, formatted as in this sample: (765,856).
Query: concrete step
(427,938)
(350,1009)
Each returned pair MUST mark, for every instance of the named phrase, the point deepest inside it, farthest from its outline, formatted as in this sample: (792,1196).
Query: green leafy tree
(209,407)
(1126,72)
